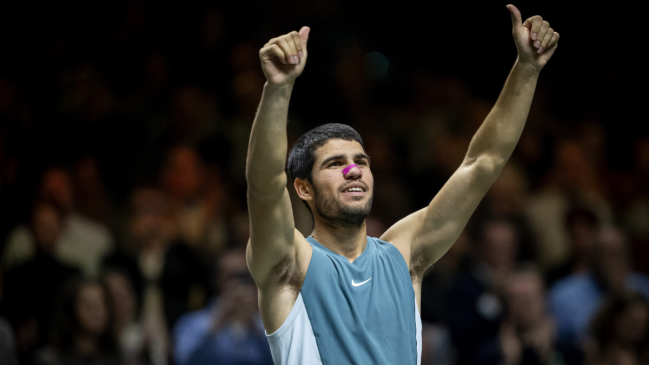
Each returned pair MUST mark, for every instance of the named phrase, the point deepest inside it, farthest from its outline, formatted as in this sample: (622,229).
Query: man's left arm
(424,236)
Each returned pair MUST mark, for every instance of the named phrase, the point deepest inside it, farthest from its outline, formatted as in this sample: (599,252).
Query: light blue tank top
(362,312)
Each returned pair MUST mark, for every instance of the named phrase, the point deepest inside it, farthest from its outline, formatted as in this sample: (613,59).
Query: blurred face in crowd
(47,226)
(499,244)
(632,325)
(56,185)
(91,309)
(582,232)
(123,297)
(237,286)
(610,260)
(183,174)
(333,201)
(151,223)
(87,176)
(524,293)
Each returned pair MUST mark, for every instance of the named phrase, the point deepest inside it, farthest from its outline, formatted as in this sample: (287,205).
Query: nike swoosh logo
(359,284)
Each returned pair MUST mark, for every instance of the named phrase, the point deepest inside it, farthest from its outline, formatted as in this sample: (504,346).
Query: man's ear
(303,188)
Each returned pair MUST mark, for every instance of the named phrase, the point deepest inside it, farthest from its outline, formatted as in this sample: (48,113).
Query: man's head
(236,287)
(610,258)
(499,243)
(47,223)
(332,174)
(524,292)
(151,222)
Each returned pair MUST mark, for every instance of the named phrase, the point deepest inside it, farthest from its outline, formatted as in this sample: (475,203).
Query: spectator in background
(572,180)
(91,198)
(229,331)
(33,286)
(620,331)
(197,198)
(83,331)
(169,278)
(131,338)
(527,333)
(7,343)
(82,242)
(581,225)
(475,309)
(575,299)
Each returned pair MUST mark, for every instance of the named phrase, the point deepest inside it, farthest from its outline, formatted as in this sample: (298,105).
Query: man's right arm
(272,229)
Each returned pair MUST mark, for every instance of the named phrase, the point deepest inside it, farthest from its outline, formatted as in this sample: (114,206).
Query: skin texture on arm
(277,253)
(424,236)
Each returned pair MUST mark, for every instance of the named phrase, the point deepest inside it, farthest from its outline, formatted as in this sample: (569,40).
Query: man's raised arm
(424,236)
(272,227)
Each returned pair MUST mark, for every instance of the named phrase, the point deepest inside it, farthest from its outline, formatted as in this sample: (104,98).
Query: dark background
(123,82)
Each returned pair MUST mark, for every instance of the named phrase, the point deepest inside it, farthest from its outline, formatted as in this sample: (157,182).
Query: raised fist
(535,40)
(283,58)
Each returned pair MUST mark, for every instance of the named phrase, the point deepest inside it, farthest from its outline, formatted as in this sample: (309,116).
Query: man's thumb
(304,34)
(516,16)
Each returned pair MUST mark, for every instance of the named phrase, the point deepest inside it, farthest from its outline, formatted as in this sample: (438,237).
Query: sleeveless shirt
(361,313)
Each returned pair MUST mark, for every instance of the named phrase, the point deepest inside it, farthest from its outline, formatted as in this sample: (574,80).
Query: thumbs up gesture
(283,58)
(535,40)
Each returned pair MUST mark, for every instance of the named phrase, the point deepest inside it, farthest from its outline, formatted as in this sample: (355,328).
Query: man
(574,300)
(229,330)
(527,334)
(338,296)
(474,309)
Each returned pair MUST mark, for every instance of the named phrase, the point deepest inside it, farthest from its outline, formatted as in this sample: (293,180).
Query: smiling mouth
(354,190)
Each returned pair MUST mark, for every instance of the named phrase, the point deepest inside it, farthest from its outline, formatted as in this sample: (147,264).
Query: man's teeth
(351,190)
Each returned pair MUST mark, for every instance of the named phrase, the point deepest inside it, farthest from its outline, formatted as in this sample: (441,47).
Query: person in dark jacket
(32,287)
(168,277)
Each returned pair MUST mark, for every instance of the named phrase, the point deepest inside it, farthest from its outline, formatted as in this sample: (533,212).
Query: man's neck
(346,241)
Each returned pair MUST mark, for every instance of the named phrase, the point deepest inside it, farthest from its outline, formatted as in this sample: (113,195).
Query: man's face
(525,298)
(342,199)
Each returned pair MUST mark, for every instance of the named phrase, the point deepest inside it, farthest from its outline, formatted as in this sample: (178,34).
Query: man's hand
(283,58)
(535,40)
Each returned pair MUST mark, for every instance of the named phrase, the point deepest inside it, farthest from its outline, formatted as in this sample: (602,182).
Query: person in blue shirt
(229,330)
(575,299)
(339,296)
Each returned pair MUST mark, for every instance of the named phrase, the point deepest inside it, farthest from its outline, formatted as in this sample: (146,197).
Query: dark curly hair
(302,156)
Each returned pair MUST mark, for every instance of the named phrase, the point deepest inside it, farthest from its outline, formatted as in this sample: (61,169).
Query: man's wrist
(527,68)
(286,87)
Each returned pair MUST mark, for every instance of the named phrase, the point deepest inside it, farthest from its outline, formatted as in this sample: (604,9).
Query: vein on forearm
(501,130)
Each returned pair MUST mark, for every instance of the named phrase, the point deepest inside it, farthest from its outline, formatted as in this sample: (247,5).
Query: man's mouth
(355,189)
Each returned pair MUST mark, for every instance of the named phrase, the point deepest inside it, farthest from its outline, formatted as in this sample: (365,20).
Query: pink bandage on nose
(346,170)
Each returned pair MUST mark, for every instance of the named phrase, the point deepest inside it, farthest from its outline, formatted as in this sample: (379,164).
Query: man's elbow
(486,164)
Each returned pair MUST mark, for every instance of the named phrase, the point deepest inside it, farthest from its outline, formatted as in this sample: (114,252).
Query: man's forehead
(337,146)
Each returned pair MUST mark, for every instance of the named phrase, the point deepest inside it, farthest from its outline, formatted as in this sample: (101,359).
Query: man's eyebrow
(331,158)
(362,155)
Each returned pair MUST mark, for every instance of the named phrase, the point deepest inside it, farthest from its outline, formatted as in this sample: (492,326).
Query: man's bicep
(272,231)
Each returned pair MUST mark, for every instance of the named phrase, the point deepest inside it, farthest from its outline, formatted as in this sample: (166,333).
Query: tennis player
(339,296)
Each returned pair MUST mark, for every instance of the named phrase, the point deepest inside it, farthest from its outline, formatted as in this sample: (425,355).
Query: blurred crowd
(123,218)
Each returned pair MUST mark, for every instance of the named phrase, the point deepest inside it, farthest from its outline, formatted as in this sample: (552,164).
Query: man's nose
(352,172)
